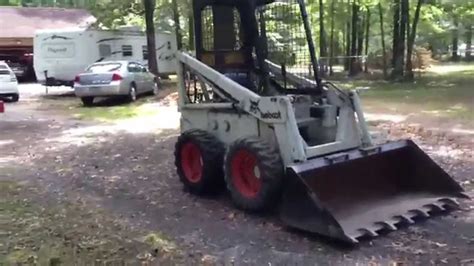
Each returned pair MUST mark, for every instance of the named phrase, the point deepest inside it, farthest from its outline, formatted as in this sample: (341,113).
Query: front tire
(199,161)
(253,174)
(87,101)
(15,98)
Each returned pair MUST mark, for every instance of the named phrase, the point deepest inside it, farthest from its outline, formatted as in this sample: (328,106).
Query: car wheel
(132,93)
(15,98)
(156,88)
(87,101)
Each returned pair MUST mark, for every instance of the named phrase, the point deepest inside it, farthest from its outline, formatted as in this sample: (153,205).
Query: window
(105,50)
(104,67)
(133,67)
(127,50)
(145,52)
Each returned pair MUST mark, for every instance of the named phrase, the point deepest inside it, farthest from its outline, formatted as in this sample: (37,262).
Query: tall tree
(411,42)
(397,73)
(382,36)
(177,28)
(347,60)
(360,33)
(149,6)
(190,25)
(367,35)
(322,36)
(469,42)
(331,56)
(455,39)
(396,31)
(353,69)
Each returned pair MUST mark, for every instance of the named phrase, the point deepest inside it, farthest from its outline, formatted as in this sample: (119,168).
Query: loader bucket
(360,192)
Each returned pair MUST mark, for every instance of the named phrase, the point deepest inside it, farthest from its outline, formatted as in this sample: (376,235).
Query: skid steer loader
(256,117)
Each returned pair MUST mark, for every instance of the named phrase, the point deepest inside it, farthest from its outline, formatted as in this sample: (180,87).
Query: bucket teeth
(420,212)
(450,202)
(436,205)
(406,219)
(388,225)
(366,231)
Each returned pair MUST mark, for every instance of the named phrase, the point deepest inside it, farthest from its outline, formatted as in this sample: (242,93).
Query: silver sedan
(114,78)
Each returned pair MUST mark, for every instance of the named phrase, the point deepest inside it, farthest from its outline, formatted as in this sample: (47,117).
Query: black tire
(261,191)
(132,93)
(87,101)
(15,98)
(156,88)
(211,161)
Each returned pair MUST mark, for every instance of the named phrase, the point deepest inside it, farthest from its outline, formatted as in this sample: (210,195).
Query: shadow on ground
(133,175)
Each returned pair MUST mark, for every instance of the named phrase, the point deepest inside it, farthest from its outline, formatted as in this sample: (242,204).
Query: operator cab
(226,38)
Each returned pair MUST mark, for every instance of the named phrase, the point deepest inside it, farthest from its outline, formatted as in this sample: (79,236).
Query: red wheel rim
(246,174)
(191,162)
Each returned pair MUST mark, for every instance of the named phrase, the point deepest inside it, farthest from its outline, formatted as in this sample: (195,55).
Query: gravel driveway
(126,167)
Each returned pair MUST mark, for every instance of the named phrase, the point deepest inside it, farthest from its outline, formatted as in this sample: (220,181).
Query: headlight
(13,78)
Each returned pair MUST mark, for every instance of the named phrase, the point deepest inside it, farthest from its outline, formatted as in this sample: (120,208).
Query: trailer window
(145,52)
(105,50)
(127,50)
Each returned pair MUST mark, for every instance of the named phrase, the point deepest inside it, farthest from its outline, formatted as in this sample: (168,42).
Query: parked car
(20,70)
(114,78)
(8,83)
(17,65)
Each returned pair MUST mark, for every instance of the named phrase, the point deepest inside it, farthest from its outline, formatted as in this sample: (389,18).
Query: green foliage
(436,27)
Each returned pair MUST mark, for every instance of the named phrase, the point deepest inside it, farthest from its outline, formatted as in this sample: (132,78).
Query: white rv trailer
(59,55)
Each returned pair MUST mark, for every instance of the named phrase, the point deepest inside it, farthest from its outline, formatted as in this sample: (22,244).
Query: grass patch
(438,93)
(113,113)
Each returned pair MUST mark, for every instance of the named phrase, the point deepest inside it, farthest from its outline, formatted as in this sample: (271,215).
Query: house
(18,26)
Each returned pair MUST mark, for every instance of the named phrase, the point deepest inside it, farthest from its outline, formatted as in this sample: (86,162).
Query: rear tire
(156,89)
(15,98)
(87,101)
(253,174)
(132,93)
(199,161)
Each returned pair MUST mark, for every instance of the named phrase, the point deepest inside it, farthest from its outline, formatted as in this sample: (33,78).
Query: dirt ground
(120,177)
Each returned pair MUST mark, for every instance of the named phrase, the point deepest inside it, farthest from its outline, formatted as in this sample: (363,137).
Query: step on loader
(257,118)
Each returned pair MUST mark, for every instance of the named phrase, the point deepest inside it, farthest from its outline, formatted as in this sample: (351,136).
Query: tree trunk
(367,34)
(190,26)
(322,38)
(353,70)
(347,60)
(360,34)
(382,33)
(411,42)
(469,42)
(177,28)
(149,6)
(396,30)
(331,56)
(455,56)
(399,60)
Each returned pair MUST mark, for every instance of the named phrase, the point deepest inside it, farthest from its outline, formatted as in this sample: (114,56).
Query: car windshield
(100,68)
